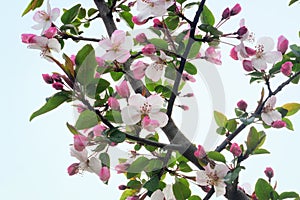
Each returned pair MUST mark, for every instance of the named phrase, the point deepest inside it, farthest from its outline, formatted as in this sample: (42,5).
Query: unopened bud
(58,86)
(226,13)
(278,124)
(73,169)
(47,78)
(269,172)
(200,152)
(286,68)
(242,31)
(247,65)
(104,174)
(235,149)
(242,105)
(141,38)
(282,44)
(113,103)
(235,10)
(122,187)
(56,77)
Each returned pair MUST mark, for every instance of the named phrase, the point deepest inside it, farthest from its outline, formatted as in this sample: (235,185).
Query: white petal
(137,100)
(220,189)
(118,37)
(80,155)
(94,165)
(127,44)
(161,117)
(123,55)
(221,170)
(130,115)
(38,26)
(155,100)
(106,44)
(271,101)
(153,73)
(110,55)
(267,42)
(273,56)
(270,117)
(54,45)
(202,178)
(48,7)
(259,64)
(54,14)
(157,195)
(168,192)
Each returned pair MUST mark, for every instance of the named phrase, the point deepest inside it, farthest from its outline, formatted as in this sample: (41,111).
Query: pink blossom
(247,65)
(28,38)
(80,142)
(269,114)
(282,44)
(113,103)
(100,61)
(132,198)
(122,167)
(278,124)
(269,172)
(98,129)
(117,47)
(123,89)
(235,10)
(188,77)
(73,169)
(141,38)
(44,44)
(73,58)
(213,56)
(235,149)
(45,19)
(58,86)
(157,23)
(152,8)
(200,152)
(104,174)
(242,31)
(56,77)
(149,124)
(47,78)
(137,21)
(138,68)
(286,68)
(242,105)
(50,32)
(149,49)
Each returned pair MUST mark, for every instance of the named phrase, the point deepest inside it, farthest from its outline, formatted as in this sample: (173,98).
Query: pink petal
(136,100)
(54,14)
(161,117)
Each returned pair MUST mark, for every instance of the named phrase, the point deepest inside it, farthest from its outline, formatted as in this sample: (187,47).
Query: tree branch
(78,38)
(106,15)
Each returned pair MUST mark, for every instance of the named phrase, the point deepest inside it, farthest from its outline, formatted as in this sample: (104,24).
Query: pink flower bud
(282,44)
(98,129)
(242,105)
(269,172)
(187,77)
(157,24)
(200,152)
(234,53)
(73,169)
(47,78)
(136,21)
(278,124)
(50,32)
(122,167)
(286,68)
(104,174)
(149,49)
(80,142)
(242,31)
(226,14)
(184,107)
(28,38)
(113,103)
(213,56)
(189,95)
(58,86)
(123,89)
(122,187)
(250,51)
(149,124)
(132,198)
(235,149)
(235,10)
(100,61)
(56,77)
(141,38)
(73,58)
(247,65)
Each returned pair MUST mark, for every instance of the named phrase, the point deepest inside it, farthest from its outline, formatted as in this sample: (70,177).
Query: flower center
(213,178)
(151,4)
(158,66)
(44,15)
(146,108)
(259,50)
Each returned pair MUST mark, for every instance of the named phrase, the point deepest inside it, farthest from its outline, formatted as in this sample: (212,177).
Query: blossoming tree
(126,94)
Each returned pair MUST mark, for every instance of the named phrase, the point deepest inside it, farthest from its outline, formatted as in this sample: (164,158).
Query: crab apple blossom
(187,77)
(286,68)
(152,8)
(282,44)
(104,174)
(235,10)
(214,177)
(45,45)
(149,49)
(149,124)
(50,32)
(213,56)
(47,78)
(28,38)
(138,68)
(122,167)
(58,86)
(278,124)
(123,89)
(264,54)
(141,38)
(269,115)
(73,169)
(80,142)
(117,47)
(200,152)
(98,129)
(44,19)
(167,193)
(135,20)
(113,103)
(226,13)
(235,149)
(140,106)
(156,69)
(247,65)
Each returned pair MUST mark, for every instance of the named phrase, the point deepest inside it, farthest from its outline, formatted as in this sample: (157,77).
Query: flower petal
(220,189)
(267,42)
(273,56)
(118,37)
(136,100)
(259,64)
(161,117)
(157,195)
(54,45)
(202,178)
(54,14)
(154,72)
(130,115)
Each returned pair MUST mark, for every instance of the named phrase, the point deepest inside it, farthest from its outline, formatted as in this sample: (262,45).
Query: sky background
(35,155)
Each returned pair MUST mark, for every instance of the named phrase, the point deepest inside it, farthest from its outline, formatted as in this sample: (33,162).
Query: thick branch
(106,15)
(79,38)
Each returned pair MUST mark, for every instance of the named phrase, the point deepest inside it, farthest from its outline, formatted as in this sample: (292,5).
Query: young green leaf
(86,119)
(214,155)
(263,189)
(190,68)
(70,14)
(220,119)
(32,6)
(207,16)
(127,16)
(292,108)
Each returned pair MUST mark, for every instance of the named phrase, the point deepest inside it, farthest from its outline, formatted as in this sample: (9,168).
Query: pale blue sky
(35,155)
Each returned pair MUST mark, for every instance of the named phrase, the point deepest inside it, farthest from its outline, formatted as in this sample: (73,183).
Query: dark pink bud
(184,107)
(250,51)
(282,44)
(80,142)
(234,53)
(28,38)
(269,172)
(58,86)
(200,152)
(73,169)
(286,68)
(278,124)
(98,129)
(113,103)
(235,10)
(247,65)
(141,38)
(242,31)
(51,32)
(104,174)
(157,23)
(205,188)
(123,89)
(47,78)
(122,187)
(235,149)
(226,13)
(242,105)
(187,77)
(56,77)
(189,95)
(149,49)
(136,21)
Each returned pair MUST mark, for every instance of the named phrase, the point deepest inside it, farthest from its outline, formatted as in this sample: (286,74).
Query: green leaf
(152,184)
(134,184)
(289,124)
(116,75)
(114,135)
(282,111)
(172,22)
(287,195)
(220,119)
(32,6)
(164,90)
(260,151)
(255,139)
(295,49)
(127,16)
(214,155)
(181,191)
(292,108)
(170,72)
(92,11)
(190,68)
(231,125)
(114,116)
(194,50)
(221,130)
(292,2)
(52,103)
(154,164)
(71,14)
(86,119)
(127,193)
(159,43)
(72,129)
(194,197)
(233,175)
(138,165)
(184,167)
(100,147)
(102,86)
(263,189)
(104,158)
(207,16)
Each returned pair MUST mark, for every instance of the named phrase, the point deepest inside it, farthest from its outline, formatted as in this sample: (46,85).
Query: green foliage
(264,190)
(292,108)
(288,195)
(292,2)
(216,156)
(172,22)
(207,16)
(166,91)
(184,167)
(190,68)
(181,189)
(231,125)
(116,75)
(52,103)
(70,15)
(159,43)
(138,165)
(127,16)
(210,29)
(134,184)
(194,197)
(255,140)
(72,129)
(152,184)
(114,116)
(220,119)
(86,119)
(127,193)
(115,135)
(32,6)
(233,175)
(289,124)
(194,49)
(92,11)
(296,50)
(104,158)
